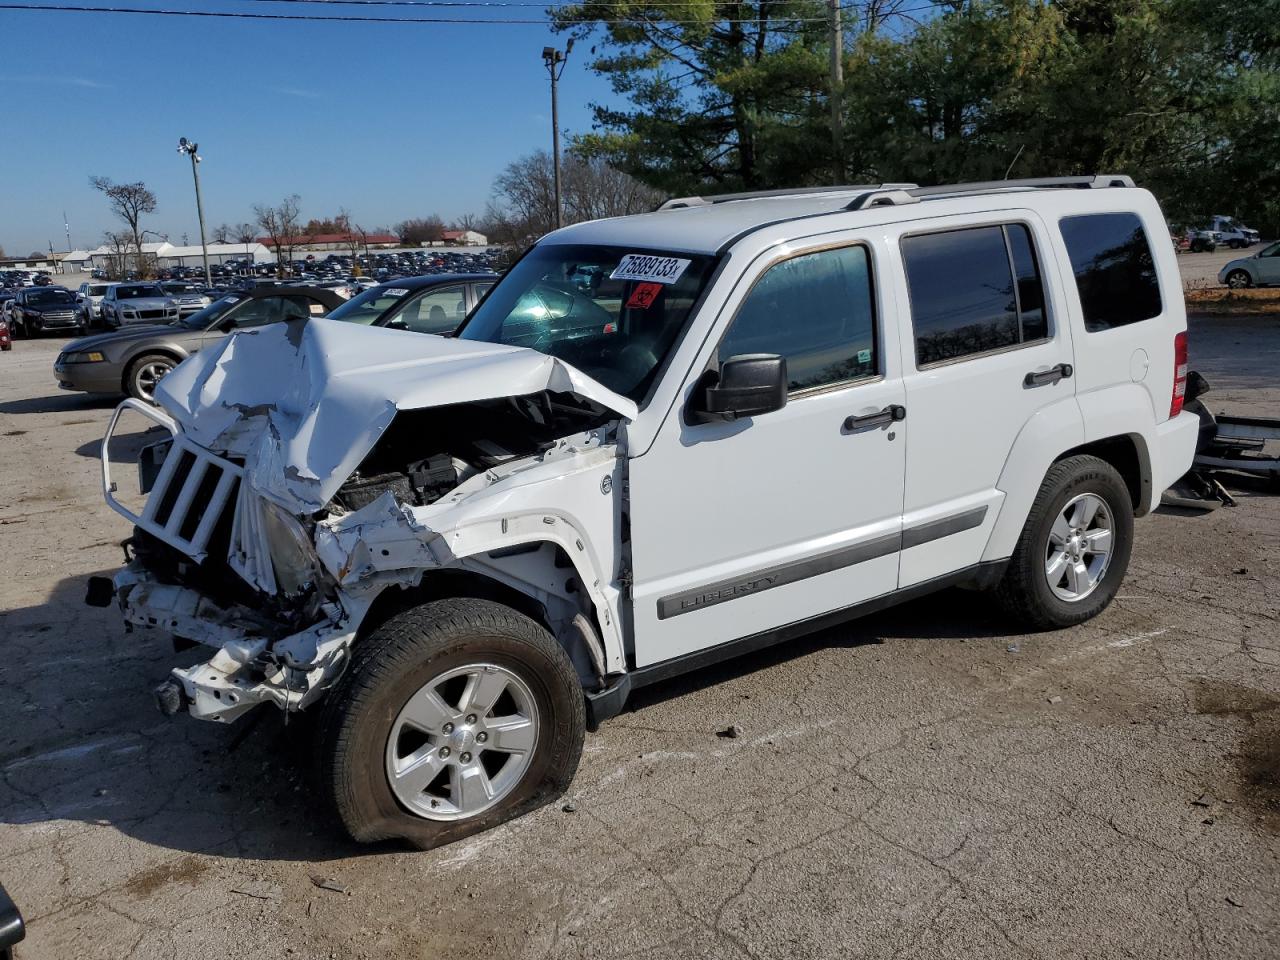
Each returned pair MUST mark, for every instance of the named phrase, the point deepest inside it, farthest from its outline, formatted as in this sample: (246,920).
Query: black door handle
(890,414)
(1052,375)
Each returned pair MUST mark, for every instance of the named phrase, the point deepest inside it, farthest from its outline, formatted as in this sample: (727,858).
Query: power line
(350,18)
(358,18)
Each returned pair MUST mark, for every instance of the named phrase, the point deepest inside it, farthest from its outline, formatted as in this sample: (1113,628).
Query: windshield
(51,296)
(612,312)
(370,305)
(1270,251)
(137,290)
(97,289)
(206,317)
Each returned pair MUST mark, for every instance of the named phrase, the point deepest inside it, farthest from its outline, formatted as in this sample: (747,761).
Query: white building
(218,253)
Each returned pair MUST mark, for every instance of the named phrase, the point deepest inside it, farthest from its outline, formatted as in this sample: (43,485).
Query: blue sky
(390,121)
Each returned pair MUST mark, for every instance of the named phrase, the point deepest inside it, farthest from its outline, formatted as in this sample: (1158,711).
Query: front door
(739,528)
(1269,264)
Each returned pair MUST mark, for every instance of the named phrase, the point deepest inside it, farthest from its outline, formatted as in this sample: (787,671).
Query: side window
(816,310)
(972,291)
(300,308)
(437,311)
(254,313)
(1115,272)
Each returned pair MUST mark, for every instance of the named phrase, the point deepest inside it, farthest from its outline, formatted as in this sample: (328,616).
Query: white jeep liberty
(658,442)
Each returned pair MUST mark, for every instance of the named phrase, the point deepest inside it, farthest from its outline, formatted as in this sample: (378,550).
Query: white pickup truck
(660,441)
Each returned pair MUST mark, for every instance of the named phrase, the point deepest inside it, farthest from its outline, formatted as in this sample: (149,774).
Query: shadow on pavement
(82,740)
(59,403)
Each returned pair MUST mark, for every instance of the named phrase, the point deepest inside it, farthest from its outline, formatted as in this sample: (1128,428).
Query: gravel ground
(922,783)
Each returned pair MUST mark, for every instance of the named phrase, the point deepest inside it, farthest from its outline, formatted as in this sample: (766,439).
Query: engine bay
(460,441)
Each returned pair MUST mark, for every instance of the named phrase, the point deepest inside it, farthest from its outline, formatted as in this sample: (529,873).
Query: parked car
(38,310)
(1232,233)
(1195,241)
(431,304)
(189,297)
(90,297)
(1260,270)
(771,414)
(6,341)
(134,360)
(129,304)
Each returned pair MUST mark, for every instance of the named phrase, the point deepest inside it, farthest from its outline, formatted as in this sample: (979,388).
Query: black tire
(396,661)
(1239,279)
(135,375)
(1024,590)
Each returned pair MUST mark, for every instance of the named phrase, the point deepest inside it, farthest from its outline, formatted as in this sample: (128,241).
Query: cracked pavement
(921,783)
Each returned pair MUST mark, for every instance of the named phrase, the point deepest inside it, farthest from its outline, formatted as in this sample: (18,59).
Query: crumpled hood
(303,402)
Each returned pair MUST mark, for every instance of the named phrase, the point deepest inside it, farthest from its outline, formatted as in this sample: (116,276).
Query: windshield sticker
(316,308)
(643,295)
(231,300)
(639,266)
(395,292)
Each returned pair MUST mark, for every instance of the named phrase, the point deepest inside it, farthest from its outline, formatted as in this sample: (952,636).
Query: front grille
(191,492)
(152,314)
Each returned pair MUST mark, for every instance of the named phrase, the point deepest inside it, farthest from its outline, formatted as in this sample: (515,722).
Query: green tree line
(1182,94)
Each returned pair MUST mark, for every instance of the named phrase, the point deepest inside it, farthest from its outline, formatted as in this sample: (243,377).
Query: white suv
(660,441)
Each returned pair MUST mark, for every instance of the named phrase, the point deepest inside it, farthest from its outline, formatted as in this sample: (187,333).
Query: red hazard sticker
(643,295)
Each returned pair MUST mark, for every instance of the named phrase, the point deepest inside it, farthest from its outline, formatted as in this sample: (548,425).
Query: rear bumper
(1175,449)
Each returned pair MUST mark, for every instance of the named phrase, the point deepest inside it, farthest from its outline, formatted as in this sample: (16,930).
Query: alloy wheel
(462,743)
(1079,548)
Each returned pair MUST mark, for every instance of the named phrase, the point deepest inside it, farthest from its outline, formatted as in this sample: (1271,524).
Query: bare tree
(419,230)
(467,221)
(281,228)
(130,202)
(119,248)
(221,233)
(524,206)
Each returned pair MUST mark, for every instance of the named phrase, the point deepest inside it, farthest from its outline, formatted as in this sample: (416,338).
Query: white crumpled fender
(303,402)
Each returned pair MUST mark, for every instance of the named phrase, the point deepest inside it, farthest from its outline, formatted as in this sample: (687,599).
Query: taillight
(1179,373)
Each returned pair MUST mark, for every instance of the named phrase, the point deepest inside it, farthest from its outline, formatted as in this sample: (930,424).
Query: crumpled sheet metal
(303,402)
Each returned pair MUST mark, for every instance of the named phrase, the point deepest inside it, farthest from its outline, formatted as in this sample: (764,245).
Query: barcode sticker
(641,266)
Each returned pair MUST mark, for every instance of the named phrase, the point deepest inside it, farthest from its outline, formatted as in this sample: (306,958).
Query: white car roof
(708,225)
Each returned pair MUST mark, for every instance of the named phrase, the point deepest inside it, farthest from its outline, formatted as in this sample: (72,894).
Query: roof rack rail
(892,195)
(678,203)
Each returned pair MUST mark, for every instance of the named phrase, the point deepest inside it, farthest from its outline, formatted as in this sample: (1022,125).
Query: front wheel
(1074,549)
(145,373)
(453,717)
(1239,280)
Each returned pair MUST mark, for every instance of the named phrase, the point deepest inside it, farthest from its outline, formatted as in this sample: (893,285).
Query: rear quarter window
(1114,269)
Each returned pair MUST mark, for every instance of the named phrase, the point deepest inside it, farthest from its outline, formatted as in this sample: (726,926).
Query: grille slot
(189,496)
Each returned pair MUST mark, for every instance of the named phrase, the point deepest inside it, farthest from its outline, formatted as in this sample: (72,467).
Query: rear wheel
(145,373)
(453,717)
(1074,549)
(1239,279)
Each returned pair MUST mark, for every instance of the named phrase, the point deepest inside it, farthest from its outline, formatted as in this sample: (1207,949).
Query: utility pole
(66,225)
(555,61)
(189,148)
(837,91)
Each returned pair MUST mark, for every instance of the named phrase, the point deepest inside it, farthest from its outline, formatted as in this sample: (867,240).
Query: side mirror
(744,386)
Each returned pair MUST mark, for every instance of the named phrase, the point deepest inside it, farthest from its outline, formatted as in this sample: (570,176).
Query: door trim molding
(722,591)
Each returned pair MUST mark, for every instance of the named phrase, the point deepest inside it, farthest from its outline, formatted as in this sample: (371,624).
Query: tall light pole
(837,91)
(189,148)
(555,61)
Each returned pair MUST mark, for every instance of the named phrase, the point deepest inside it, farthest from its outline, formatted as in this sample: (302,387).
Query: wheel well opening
(1123,454)
(449,584)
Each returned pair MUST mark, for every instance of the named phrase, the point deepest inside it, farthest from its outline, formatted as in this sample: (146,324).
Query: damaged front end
(310,468)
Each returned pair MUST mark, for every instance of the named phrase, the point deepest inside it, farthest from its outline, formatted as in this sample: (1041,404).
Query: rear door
(988,347)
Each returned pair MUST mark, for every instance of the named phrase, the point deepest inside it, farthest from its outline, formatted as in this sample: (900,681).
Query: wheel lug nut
(444,752)
(465,758)
(471,718)
(447,728)
(482,737)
